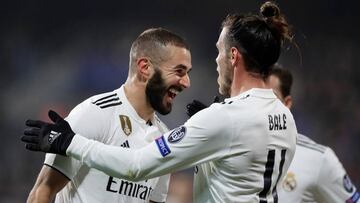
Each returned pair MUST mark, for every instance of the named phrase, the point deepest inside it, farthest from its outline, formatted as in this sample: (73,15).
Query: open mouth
(172,92)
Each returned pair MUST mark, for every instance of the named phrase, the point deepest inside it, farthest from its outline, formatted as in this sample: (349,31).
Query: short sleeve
(85,119)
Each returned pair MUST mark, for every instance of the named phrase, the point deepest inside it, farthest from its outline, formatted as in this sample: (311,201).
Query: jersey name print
(277,122)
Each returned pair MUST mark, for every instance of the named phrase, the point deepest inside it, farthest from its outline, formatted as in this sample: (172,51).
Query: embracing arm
(203,138)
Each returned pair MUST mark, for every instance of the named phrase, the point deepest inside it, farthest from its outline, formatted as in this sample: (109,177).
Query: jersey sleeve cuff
(78,147)
(58,170)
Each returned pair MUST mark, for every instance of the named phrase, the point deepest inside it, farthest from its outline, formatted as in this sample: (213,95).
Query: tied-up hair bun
(275,20)
(269,10)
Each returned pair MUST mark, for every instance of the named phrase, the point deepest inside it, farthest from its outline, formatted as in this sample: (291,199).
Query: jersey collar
(256,92)
(129,107)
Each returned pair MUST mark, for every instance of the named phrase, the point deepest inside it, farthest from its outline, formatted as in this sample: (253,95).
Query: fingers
(55,117)
(216,99)
(199,105)
(196,102)
(30,139)
(190,110)
(35,123)
(32,131)
(193,107)
(32,147)
(31,135)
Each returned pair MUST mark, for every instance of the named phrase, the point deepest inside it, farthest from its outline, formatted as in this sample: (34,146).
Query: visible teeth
(174,91)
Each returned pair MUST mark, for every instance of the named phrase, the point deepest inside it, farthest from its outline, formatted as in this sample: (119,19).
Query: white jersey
(242,148)
(108,118)
(316,175)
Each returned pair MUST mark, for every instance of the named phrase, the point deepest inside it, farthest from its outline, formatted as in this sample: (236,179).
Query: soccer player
(158,70)
(242,147)
(315,174)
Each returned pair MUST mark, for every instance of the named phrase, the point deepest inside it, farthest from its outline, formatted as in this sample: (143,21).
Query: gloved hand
(47,137)
(196,106)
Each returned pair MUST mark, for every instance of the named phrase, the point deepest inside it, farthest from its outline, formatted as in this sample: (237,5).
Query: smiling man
(158,70)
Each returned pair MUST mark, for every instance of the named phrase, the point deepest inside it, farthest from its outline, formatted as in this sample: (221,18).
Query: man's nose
(185,81)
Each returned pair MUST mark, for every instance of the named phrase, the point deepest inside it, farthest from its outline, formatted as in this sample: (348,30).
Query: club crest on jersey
(125,124)
(289,183)
(348,184)
(177,134)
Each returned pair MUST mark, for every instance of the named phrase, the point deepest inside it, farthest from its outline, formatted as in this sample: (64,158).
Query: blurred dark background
(55,54)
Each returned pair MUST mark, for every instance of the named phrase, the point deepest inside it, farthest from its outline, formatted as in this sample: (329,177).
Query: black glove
(196,106)
(47,137)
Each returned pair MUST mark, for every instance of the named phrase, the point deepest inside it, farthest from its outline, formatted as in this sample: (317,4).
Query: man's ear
(143,68)
(288,101)
(235,55)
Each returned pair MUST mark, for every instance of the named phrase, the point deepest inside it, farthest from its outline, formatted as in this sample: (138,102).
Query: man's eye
(180,71)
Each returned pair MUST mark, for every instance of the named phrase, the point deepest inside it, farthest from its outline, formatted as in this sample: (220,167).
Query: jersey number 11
(269,168)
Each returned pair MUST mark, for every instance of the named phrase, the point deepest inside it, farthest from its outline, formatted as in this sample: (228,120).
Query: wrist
(77,147)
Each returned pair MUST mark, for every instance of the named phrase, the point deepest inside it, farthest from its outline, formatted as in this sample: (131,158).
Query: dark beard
(155,92)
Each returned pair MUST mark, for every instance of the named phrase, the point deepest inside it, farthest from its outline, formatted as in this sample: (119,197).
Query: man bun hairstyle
(275,20)
(259,38)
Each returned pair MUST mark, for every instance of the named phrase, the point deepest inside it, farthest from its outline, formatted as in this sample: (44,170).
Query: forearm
(40,195)
(131,164)
(115,161)
(197,143)
(48,183)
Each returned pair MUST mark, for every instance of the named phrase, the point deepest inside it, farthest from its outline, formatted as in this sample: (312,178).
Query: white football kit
(242,148)
(316,175)
(108,118)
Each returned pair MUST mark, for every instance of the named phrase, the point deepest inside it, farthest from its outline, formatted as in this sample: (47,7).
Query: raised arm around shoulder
(202,138)
(48,183)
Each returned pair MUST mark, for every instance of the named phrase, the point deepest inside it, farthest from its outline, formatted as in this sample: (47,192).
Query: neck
(245,81)
(135,93)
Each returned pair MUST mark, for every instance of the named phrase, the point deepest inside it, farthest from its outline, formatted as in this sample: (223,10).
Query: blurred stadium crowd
(56,54)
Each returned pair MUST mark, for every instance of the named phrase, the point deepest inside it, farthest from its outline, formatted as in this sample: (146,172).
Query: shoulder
(214,111)
(214,119)
(327,158)
(331,162)
(99,104)
(105,100)
(95,113)
(162,126)
(309,144)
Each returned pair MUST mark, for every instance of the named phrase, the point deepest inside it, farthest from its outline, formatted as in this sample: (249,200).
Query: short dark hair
(150,43)
(258,38)
(285,77)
